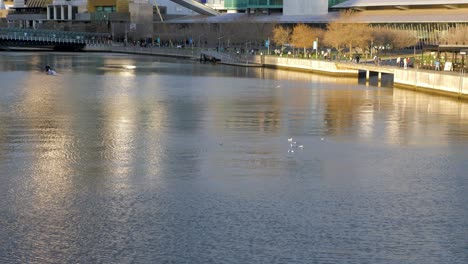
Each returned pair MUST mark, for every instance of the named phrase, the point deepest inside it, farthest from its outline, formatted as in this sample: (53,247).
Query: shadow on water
(385,81)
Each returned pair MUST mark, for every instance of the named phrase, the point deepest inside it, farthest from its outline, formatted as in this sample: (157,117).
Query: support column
(55,12)
(367,75)
(48,12)
(62,12)
(380,76)
(70,14)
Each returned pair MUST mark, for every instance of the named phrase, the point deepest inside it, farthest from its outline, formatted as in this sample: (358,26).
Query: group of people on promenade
(403,62)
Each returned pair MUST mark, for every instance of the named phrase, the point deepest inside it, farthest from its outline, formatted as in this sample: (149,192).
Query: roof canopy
(400,4)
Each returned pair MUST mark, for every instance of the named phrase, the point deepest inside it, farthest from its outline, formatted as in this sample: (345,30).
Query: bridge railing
(52,35)
(42,39)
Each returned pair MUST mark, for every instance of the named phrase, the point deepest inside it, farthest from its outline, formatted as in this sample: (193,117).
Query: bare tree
(382,36)
(303,36)
(281,35)
(335,35)
(456,35)
(404,38)
(344,33)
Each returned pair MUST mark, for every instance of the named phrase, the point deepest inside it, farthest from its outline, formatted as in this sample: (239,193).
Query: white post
(268,46)
(62,12)
(70,14)
(55,12)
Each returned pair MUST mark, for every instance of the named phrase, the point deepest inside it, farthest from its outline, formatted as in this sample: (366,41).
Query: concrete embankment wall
(317,66)
(448,83)
(438,82)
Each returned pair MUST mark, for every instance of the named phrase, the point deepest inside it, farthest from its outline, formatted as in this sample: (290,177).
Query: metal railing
(51,35)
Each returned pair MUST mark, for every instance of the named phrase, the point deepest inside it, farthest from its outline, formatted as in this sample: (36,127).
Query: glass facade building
(260,4)
(245,4)
(335,2)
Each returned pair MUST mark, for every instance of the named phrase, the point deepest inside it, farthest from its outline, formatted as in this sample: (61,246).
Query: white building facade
(305,7)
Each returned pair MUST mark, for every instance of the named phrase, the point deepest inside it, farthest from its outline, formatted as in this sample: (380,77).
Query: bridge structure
(197,7)
(369,70)
(18,38)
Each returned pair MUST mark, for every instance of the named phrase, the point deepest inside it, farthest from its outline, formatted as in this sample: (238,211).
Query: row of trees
(341,35)
(455,35)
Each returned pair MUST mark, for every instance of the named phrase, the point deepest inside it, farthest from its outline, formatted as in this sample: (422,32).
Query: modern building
(173,9)
(286,7)
(5,5)
(428,18)
(28,13)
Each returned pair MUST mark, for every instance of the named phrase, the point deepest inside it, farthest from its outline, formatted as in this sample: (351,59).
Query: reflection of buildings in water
(25,61)
(47,142)
(406,117)
(5,122)
(16,61)
(293,92)
(425,118)
(286,75)
(352,110)
(247,113)
(132,130)
(61,62)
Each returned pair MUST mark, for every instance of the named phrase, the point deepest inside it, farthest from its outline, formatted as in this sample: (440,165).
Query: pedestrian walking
(398,61)
(437,65)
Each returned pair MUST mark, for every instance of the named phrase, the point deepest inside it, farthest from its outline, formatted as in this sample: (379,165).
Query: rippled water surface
(172,161)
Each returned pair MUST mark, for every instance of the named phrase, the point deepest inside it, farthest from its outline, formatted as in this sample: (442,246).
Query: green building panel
(335,2)
(244,4)
(236,4)
(265,4)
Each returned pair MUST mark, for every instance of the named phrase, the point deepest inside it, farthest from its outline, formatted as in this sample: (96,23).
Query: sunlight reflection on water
(175,161)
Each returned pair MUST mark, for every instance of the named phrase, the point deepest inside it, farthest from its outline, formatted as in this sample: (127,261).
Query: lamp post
(247,52)
(219,43)
(199,38)
(316,48)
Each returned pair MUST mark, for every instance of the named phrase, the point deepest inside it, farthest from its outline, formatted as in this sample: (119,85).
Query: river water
(133,159)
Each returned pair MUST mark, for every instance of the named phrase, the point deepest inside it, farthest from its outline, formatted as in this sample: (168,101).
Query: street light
(247,52)
(199,38)
(219,43)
